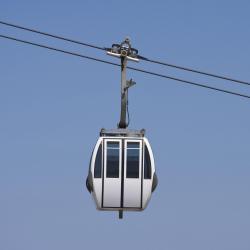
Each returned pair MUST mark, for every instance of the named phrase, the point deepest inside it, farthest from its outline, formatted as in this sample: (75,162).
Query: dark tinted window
(133,159)
(98,163)
(133,145)
(112,168)
(147,164)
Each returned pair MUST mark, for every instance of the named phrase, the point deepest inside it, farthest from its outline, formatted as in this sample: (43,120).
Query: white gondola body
(122,173)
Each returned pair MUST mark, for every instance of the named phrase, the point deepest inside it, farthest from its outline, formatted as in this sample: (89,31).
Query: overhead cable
(132,68)
(51,35)
(194,71)
(140,57)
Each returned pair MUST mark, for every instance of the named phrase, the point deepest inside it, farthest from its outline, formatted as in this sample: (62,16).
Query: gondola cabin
(122,171)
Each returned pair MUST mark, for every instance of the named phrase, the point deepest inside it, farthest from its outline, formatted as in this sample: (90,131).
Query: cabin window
(133,159)
(147,164)
(113,160)
(98,163)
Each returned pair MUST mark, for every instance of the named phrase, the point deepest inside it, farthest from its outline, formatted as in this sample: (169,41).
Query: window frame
(118,157)
(131,174)
(147,161)
(99,153)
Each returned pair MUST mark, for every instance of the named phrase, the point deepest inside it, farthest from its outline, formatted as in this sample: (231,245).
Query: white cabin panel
(147,186)
(97,192)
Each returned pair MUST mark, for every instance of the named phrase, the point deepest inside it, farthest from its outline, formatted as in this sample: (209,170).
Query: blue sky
(52,107)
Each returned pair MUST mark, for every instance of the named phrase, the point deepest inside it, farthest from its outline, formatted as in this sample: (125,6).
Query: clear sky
(52,107)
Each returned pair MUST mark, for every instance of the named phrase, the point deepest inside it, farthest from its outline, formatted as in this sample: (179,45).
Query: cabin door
(112,173)
(132,194)
(122,173)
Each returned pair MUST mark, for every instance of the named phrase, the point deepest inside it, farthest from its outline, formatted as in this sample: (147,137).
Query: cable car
(122,171)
